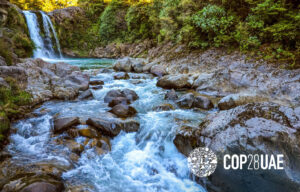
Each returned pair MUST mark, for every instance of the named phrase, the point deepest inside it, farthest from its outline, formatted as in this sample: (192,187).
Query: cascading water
(47,22)
(44,46)
(143,161)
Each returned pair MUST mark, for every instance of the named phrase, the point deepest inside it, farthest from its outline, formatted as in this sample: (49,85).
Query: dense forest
(268,28)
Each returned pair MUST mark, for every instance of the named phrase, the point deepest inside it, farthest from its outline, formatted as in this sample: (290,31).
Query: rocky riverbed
(121,120)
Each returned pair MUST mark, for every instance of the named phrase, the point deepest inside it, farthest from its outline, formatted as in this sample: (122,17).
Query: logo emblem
(202,162)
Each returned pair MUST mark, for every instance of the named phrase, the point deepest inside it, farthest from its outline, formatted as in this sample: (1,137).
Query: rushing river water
(143,161)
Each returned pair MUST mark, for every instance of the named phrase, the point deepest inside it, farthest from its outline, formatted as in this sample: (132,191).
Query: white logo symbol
(202,162)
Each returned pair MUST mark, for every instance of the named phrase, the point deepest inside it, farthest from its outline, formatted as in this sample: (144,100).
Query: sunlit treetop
(50,5)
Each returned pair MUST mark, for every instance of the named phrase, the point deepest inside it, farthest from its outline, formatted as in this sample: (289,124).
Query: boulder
(111,126)
(130,95)
(137,65)
(203,103)
(255,128)
(174,81)
(88,132)
(43,187)
(85,95)
(123,65)
(74,146)
(186,139)
(163,107)
(96,82)
(123,111)
(47,81)
(128,64)
(158,70)
(171,95)
(97,87)
(61,124)
(112,94)
(186,101)
(118,100)
(121,75)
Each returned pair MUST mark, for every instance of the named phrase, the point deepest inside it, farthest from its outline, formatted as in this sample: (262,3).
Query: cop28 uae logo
(202,162)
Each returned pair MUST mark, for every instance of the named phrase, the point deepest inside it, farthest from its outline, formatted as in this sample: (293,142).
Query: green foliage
(5,52)
(13,96)
(15,38)
(112,21)
(216,23)
(11,99)
(139,23)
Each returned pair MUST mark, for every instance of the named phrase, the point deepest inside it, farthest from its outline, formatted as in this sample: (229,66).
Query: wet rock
(124,64)
(61,124)
(130,95)
(85,95)
(100,151)
(118,100)
(186,101)
(97,87)
(88,132)
(96,82)
(186,139)
(105,70)
(74,146)
(163,107)
(105,144)
(171,95)
(174,82)
(73,132)
(202,102)
(233,100)
(4,155)
(74,157)
(43,187)
(255,128)
(121,75)
(137,65)
(112,94)
(128,64)
(123,111)
(158,70)
(112,126)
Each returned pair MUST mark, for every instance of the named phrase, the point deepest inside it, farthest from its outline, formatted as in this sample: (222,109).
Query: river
(143,161)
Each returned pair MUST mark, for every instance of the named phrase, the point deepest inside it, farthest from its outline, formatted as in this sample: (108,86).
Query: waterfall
(47,22)
(44,46)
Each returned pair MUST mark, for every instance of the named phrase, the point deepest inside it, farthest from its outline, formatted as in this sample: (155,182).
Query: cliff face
(14,38)
(75,31)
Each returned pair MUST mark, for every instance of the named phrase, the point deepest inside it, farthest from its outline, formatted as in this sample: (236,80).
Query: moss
(5,52)
(15,39)
(4,125)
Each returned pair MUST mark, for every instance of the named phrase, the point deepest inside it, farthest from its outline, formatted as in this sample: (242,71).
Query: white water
(146,161)
(47,22)
(44,46)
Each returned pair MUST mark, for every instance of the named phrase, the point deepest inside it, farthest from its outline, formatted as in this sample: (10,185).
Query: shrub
(216,23)
(138,23)
(112,21)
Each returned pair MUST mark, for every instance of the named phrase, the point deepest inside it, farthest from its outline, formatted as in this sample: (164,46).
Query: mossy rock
(4,124)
